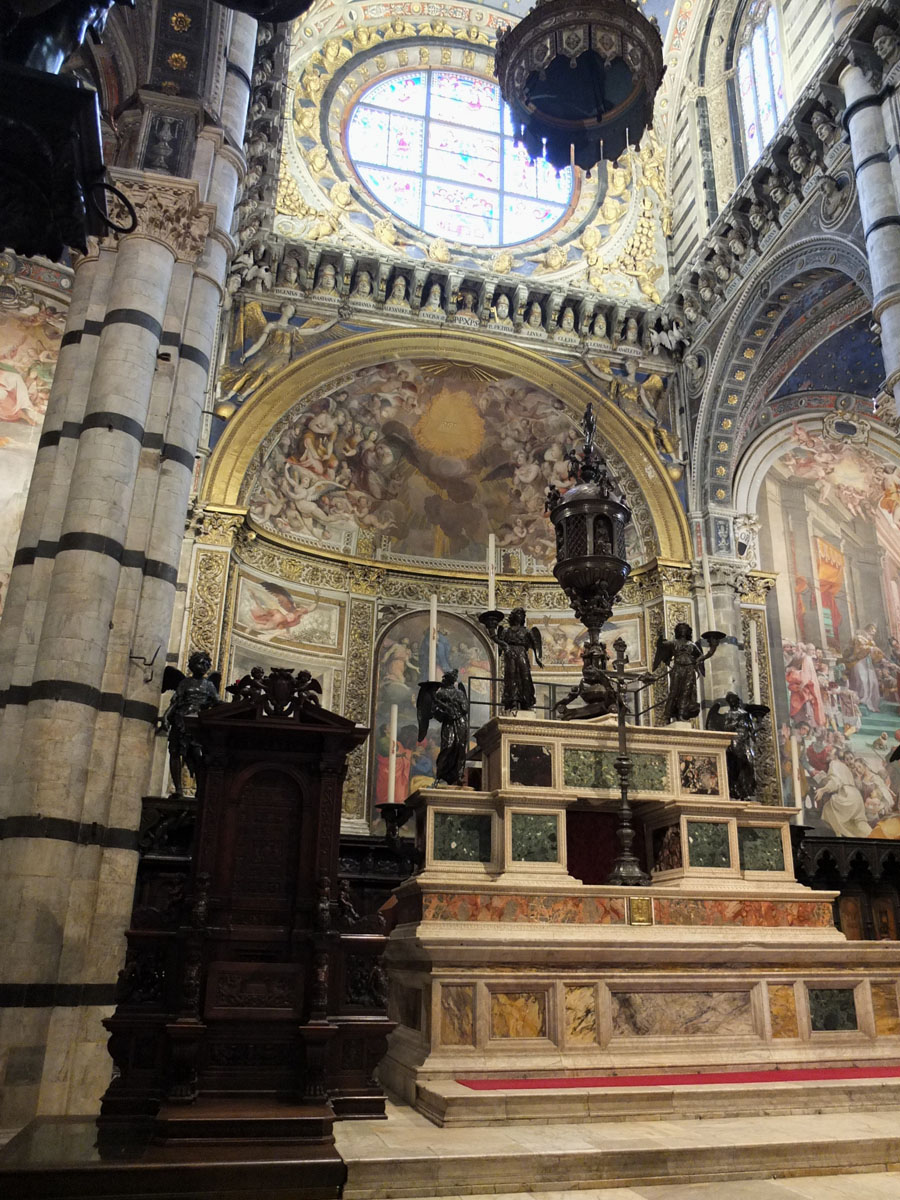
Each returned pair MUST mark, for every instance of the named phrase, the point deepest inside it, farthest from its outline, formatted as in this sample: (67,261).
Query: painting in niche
(401,663)
(244,655)
(422,460)
(29,346)
(274,613)
(830,529)
(564,639)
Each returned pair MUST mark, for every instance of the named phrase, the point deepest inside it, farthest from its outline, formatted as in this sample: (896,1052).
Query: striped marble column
(842,13)
(866,123)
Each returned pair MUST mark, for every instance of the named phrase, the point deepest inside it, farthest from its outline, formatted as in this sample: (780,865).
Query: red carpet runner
(797,1075)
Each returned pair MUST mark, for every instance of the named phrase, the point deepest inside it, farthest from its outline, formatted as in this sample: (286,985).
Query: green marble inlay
(708,844)
(596,769)
(530,766)
(761,849)
(534,837)
(462,837)
(832,1008)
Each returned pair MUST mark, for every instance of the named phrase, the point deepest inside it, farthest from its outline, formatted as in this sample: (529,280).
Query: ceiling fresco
(850,361)
(810,296)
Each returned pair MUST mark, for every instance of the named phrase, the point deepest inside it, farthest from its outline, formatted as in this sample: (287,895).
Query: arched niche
(400,665)
(658,513)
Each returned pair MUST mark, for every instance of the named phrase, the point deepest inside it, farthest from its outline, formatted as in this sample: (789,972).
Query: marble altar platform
(502,965)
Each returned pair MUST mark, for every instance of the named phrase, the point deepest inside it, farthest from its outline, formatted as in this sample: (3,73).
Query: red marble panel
(551,910)
(777,914)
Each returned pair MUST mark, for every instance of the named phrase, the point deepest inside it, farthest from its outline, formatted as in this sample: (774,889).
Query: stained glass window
(760,79)
(437,148)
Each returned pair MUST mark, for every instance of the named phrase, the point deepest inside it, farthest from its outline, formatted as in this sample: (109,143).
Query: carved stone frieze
(757,586)
(168,211)
(216,528)
(360,639)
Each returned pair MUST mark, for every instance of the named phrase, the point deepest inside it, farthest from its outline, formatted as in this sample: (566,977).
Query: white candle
(492,572)
(754,661)
(432,640)
(392,758)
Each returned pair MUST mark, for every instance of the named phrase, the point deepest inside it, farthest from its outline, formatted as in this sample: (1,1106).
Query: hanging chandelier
(580,78)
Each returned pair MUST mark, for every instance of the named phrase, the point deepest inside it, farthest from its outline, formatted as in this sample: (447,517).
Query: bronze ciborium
(590,521)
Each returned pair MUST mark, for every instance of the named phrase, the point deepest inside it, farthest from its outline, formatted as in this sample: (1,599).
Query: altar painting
(421,460)
(401,663)
(830,529)
(29,346)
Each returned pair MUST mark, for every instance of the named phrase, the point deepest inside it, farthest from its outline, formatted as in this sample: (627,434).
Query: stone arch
(649,489)
(729,393)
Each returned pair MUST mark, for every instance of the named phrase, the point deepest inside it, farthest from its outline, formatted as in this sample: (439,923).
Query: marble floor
(829,1155)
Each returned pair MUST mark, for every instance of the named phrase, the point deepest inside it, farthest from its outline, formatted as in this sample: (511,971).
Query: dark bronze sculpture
(193,694)
(447,703)
(684,659)
(594,689)
(731,715)
(43,35)
(516,642)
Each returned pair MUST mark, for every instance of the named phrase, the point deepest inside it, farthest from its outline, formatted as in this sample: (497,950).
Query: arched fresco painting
(401,664)
(420,460)
(830,514)
(29,344)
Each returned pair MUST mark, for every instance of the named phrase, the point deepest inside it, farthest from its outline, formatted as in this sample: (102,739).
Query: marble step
(408,1158)
(448,1103)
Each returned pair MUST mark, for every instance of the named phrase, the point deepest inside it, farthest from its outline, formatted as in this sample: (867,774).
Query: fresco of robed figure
(830,514)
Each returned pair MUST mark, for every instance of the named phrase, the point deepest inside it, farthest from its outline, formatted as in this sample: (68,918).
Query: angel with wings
(283,614)
(448,703)
(684,659)
(193,693)
(271,346)
(516,642)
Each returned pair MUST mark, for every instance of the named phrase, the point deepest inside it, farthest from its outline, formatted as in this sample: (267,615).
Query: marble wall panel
(761,848)
(667,853)
(407,1005)
(708,844)
(699,774)
(581,1016)
(680,1014)
(462,837)
(530,766)
(783,1011)
(884,1006)
(534,837)
(596,769)
(518,1014)
(775,914)
(457,1015)
(832,1009)
(555,910)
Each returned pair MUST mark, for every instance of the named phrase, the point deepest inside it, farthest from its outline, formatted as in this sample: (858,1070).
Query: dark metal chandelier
(580,78)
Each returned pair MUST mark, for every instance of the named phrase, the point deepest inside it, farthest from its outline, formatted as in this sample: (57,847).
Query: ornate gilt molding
(220,527)
(757,585)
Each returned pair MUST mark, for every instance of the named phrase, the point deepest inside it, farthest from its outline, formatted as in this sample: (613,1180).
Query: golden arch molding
(235,452)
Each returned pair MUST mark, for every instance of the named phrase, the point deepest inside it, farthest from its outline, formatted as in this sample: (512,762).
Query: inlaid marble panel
(530,766)
(534,837)
(884,1005)
(518,1014)
(596,769)
(783,1011)
(699,774)
(581,1016)
(462,837)
(552,910)
(775,914)
(708,844)
(761,848)
(457,1015)
(681,1014)
(667,855)
(832,1009)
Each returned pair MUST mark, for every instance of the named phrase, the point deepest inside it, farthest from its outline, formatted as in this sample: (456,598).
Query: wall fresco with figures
(422,460)
(30,333)
(830,514)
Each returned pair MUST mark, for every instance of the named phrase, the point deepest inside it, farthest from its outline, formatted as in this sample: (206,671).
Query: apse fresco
(270,612)
(830,516)
(420,460)
(401,665)
(564,639)
(29,345)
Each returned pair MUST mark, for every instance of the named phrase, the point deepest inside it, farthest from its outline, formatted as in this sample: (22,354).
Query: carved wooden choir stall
(248,1006)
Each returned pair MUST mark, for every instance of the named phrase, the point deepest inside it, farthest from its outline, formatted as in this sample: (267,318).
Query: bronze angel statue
(193,693)
(742,721)
(684,659)
(516,642)
(448,703)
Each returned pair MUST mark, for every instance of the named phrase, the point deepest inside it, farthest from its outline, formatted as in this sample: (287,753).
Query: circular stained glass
(436,148)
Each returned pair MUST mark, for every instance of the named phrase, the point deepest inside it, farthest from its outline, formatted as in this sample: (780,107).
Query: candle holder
(395,815)
(490,620)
